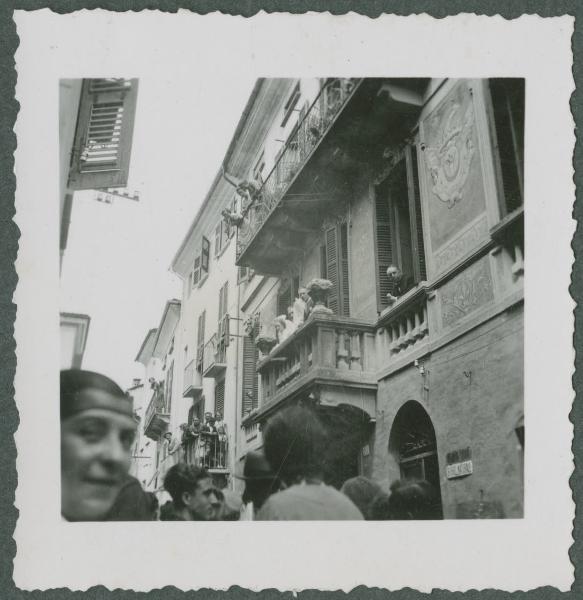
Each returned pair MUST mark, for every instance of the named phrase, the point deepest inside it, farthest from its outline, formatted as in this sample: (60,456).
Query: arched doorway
(413,445)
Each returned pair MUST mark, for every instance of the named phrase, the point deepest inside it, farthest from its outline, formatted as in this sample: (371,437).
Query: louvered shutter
(331,239)
(196,271)
(204,256)
(344,283)
(169,387)
(250,377)
(218,231)
(383,247)
(283,298)
(415,216)
(220,397)
(200,341)
(103,136)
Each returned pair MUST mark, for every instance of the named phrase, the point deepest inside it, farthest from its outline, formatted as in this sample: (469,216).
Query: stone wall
(475,400)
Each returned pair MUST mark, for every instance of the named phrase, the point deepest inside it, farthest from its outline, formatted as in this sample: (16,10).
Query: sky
(116,267)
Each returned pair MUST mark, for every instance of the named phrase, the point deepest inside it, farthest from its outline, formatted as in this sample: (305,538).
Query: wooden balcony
(157,416)
(332,358)
(192,382)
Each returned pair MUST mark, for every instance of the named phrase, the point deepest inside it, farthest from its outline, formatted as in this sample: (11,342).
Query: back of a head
(75,381)
(294,443)
(411,500)
(362,491)
(182,478)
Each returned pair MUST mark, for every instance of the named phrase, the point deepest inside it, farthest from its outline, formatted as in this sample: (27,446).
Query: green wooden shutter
(250,377)
(419,264)
(331,239)
(384,248)
(103,136)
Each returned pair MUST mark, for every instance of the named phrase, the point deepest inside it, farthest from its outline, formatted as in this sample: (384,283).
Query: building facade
(398,204)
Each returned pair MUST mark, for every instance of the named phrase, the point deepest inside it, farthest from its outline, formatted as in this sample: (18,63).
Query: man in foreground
(295,444)
(194,497)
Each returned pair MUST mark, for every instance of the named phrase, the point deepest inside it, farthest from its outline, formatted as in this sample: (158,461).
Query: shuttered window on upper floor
(200,340)
(399,227)
(508,108)
(220,397)
(335,260)
(250,376)
(101,150)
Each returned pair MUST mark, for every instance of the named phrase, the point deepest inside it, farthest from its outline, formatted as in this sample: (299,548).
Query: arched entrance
(413,445)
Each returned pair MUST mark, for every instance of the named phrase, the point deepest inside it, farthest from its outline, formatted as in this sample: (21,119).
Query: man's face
(304,295)
(201,503)
(394,274)
(95,458)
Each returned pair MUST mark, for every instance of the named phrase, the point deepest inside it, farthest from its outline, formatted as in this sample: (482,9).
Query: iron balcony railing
(157,405)
(207,450)
(312,126)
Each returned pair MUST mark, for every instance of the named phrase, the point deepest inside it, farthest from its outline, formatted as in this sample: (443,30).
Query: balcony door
(398,226)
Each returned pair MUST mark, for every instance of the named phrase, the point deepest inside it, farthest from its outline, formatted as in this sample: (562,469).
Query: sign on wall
(459,463)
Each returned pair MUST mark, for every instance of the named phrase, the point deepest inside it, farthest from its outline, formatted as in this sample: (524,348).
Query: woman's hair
(362,491)
(75,381)
(412,500)
(295,442)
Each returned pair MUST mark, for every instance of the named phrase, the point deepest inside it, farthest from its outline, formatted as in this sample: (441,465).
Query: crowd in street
(283,481)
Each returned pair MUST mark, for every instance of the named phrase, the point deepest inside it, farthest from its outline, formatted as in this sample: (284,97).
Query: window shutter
(169,387)
(344,287)
(250,377)
(103,136)
(204,256)
(383,246)
(283,298)
(332,268)
(220,397)
(415,216)
(196,271)
(508,104)
(218,230)
(200,340)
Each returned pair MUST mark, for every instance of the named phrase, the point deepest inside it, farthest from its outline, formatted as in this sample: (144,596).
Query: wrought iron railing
(157,405)
(312,126)
(215,352)
(207,450)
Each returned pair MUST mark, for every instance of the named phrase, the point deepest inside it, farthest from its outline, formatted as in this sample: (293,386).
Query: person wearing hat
(97,433)
(260,482)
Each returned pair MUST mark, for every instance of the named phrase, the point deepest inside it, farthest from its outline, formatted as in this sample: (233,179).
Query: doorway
(413,445)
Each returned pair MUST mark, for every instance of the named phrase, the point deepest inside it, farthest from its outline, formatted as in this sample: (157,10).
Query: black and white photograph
(293,290)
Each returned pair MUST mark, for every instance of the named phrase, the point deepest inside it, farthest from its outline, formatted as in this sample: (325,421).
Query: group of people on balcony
(204,443)
(286,482)
(296,314)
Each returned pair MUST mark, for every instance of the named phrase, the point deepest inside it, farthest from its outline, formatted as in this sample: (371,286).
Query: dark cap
(256,467)
(76,396)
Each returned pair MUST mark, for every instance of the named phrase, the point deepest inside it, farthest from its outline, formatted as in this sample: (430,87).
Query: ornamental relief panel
(466,293)
(448,159)
(450,165)
(462,245)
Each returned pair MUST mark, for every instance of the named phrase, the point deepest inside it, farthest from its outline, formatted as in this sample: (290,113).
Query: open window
(399,228)
(508,108)
(103,137)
